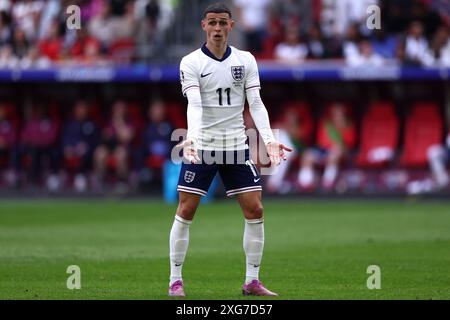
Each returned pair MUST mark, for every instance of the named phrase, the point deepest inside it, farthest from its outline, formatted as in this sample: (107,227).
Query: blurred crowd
(378,151)
(125,145)
(34,33)
(413,32)
(87,147)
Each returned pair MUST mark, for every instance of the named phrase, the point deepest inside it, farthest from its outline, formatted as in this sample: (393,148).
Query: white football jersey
(222,84)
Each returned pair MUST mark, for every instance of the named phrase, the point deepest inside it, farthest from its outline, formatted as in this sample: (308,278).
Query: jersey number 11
(227,91)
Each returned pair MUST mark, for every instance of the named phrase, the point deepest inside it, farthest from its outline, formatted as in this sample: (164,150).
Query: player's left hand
(276,152)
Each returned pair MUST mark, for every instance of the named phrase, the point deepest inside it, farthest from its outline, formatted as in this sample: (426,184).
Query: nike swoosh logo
(256,180)
(205,75)
(177,265)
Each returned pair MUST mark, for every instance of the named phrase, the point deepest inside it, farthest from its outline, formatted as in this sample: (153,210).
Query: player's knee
(186,210)
(255,211)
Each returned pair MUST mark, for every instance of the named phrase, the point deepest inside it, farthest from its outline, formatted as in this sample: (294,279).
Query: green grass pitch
(313,249)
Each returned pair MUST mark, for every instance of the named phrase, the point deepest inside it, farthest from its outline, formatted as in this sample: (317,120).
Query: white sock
(179,241)
(253,247)
(306,177)
(330,174)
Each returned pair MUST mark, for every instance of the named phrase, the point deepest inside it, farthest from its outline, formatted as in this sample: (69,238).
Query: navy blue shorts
(237,170)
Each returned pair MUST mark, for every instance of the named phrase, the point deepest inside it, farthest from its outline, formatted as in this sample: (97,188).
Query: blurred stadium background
(64,94)
(90,112)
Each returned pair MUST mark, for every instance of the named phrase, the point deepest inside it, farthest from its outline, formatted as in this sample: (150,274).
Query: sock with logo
(253,247)
(179,241)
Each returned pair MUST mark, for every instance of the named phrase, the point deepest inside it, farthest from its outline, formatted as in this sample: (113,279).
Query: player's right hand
(189,151)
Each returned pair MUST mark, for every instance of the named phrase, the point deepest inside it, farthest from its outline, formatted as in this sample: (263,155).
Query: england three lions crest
(238,73)
(189,176)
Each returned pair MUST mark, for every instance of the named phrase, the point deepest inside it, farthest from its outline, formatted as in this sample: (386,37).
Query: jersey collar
(206,51)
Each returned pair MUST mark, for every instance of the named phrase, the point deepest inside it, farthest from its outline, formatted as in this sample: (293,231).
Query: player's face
(217,26)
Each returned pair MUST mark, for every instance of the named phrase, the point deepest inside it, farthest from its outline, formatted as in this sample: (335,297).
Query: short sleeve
(252,81)
(188,76)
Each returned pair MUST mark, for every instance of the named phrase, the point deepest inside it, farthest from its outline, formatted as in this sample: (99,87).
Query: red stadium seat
(379,135)
(424,128)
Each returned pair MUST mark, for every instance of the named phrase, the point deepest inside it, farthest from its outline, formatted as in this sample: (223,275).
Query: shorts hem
(243,190)
(192,190)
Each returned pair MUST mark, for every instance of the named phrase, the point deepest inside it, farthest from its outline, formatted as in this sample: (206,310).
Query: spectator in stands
(122,49)
(113,149)
(92,54)
(51,44)
(5,28)
(156,140)
(103,25)
(292,49)
(7,137)
(316,45)
(26,15)
(253,17)
(298,11)
(34,59)
(38,146)
(150,12)
(7,58)
(336,137)
(365,57)
(78,143)
(20,43)
(158,13)
(421,12)
(127,23)
(350,47)
(77,49)
(384,44)
(438,54)
(415,45)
